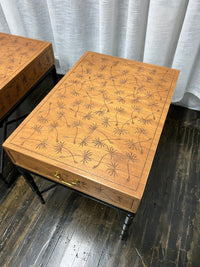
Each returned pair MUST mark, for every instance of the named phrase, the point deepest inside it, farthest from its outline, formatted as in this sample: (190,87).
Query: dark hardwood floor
(72,230)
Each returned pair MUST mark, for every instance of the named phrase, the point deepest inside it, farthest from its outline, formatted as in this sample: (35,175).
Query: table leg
(54,75)
(127,222)
(31,183)
(2,151)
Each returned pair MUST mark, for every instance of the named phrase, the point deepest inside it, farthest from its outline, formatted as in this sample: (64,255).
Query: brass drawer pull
(75,182)
(72,184)
(57,175)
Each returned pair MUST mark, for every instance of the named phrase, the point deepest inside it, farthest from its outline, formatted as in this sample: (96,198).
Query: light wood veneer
(98,129)
(23,62)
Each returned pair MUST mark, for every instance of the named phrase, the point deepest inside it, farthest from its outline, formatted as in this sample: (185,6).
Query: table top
(102,121)
(20,67)
(16,53)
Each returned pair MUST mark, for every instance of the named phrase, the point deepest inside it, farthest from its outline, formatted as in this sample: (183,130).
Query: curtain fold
(187,55)
(107,22)
(3,23)
(165,33)
(163,30)
(137,18)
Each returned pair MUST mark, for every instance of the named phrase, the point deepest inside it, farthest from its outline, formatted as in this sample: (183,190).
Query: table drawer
(80,183)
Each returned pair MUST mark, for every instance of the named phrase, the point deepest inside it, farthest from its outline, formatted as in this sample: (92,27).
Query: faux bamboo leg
(54,75)
(127,222)
(32,184)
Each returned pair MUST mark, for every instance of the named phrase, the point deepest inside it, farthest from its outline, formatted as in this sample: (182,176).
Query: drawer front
(82,184)
(96,190)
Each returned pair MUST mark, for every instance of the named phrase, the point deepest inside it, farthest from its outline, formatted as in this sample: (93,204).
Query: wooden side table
(24,62)
(97,131)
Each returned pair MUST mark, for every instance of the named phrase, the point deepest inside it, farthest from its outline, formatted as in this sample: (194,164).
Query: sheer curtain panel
(165,33)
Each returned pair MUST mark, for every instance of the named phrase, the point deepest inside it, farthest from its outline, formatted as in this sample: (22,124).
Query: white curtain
(160,32)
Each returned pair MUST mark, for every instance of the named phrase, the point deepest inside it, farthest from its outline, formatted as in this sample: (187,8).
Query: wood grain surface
(98,129)
(71,230)
(23,61)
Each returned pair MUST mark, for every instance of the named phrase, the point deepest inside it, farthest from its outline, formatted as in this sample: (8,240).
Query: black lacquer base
(128,220)
(29,179)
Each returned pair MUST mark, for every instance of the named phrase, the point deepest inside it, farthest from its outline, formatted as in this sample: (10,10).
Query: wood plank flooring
(72,230)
